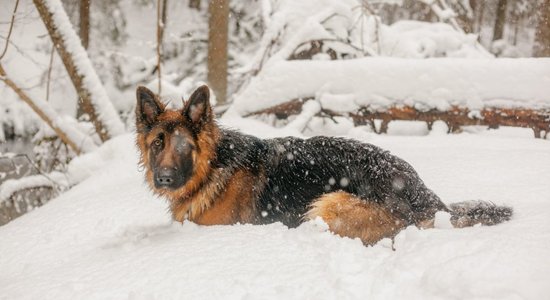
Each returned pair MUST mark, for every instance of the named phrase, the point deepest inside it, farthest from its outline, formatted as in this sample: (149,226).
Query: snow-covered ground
(110,238)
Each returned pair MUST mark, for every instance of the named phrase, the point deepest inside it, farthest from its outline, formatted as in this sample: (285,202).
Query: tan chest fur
(223,201)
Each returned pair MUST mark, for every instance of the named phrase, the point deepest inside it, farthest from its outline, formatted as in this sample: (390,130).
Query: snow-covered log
(455,117)
(91,92)
(71,136)
(385,82)
(512,92)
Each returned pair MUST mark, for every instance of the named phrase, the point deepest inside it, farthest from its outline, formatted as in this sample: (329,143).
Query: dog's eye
(157,142)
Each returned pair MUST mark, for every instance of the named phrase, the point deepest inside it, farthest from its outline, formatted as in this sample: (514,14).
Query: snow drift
(108,237)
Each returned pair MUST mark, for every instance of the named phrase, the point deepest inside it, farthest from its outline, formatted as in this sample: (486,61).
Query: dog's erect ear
(148,107)
(197,110)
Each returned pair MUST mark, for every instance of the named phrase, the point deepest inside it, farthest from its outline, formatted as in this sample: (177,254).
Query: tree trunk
(542,35)
(498,30)
(164,13)
(84,31)
(92,94)
(195,4)
(479,13)
(217,47)
(161,23)
(517,23)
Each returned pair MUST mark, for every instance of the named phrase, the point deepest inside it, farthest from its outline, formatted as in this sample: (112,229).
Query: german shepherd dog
(212,175)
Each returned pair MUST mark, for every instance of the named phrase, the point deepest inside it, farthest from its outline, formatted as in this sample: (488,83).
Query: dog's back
(298,171)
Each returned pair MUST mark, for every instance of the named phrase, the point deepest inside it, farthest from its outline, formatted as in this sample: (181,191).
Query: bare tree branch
(10,30)
(49,76)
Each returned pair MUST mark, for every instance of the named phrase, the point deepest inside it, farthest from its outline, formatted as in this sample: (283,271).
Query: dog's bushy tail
(470,213)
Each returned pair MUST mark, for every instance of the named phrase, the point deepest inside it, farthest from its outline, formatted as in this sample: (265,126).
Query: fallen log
(537,120)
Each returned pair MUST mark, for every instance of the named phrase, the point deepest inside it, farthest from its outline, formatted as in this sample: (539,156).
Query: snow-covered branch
(89,88)
(75,139)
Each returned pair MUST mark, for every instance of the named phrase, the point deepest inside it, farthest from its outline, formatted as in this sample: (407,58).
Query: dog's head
(176,145)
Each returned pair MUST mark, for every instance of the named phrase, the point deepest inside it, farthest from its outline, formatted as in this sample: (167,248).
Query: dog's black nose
(165,177)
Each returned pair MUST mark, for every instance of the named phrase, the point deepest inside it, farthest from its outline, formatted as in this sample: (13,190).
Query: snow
(339,103)
(443,220)
(414,39)
(79,169)
(424,83)
(109,237)
(310,109)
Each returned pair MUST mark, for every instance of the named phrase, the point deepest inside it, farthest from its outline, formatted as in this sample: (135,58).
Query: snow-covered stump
(90,91)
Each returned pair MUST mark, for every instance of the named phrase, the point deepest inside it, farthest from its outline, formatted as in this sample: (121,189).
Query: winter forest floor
(110,238)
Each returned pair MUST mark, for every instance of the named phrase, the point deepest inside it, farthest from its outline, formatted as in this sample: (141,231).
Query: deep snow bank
(109,238)
(382,82)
